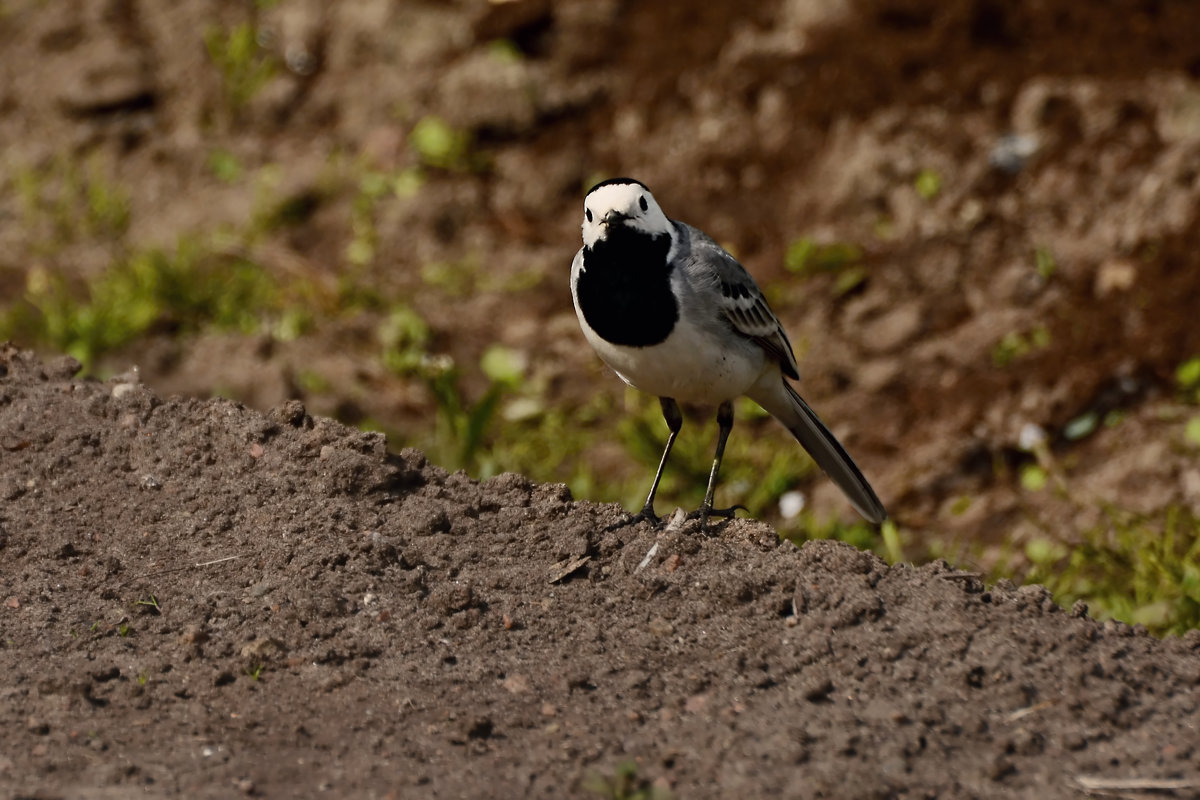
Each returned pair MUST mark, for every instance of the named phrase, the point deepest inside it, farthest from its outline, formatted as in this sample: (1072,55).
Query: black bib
(624,288)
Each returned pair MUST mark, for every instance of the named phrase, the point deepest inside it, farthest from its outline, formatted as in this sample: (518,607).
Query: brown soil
(202,600)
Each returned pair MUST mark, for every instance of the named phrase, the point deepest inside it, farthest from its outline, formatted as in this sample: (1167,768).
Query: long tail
(789,408)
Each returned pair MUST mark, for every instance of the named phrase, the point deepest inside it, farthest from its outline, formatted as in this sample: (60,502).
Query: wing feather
(739,299)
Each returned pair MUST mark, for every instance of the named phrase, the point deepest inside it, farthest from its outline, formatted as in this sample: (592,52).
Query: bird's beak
(613,218)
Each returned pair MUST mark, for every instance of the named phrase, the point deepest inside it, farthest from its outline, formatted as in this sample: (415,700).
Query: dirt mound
(201,599)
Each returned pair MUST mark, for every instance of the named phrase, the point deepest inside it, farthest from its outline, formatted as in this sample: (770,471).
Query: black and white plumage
(675,315)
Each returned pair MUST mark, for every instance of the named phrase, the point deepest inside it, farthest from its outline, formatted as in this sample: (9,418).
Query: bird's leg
(724,426)
(674,418)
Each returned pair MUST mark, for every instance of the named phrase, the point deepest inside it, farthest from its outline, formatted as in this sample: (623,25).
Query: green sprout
(928,184)
(245,68)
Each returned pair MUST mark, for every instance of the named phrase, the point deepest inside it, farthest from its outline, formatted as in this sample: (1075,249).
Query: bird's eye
(642,202)
(587,212)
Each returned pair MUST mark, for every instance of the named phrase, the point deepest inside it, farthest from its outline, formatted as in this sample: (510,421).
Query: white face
(628,204)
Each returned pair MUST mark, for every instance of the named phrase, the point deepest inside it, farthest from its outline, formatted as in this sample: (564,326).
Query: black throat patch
(624,288)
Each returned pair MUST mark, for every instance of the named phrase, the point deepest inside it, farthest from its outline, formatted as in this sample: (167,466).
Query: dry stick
(1025,712)
(1097,783)
(214,561)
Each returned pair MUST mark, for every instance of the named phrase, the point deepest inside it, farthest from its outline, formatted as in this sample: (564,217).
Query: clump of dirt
(200,600)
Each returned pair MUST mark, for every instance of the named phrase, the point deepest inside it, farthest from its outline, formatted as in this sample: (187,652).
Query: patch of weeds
(124,630)
(150,602)
(468,276)
(462,424)
(893,549)
(505,50)
(407,182)
(244,66)
(1137,569)
(355,295)
(142,679)
(1016,344)
(928,184)
(1044,263)
(1033,477)
(625,784)
(1187,377)
(373,186)
(1191,431)
(225,166)
(72,200)
(806,257)
(404,336)
(271,211)
(441,146)
(455,280)
(312,382)
(181,291)
(546,446)
(255,671)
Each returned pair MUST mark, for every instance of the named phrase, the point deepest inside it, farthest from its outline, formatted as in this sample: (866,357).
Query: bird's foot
(645,515)
(704,513)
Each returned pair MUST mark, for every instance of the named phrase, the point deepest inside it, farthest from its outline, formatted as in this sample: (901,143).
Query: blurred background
(976,218)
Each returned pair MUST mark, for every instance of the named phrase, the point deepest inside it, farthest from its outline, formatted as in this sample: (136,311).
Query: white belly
(692,365)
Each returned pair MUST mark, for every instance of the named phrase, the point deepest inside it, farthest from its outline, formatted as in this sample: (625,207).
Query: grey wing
(739,299)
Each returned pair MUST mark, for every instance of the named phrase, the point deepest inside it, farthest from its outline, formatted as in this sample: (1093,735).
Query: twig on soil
(215,561)
(649,555)
(1096,783)
(178,569)
(1021,713)
(566,567)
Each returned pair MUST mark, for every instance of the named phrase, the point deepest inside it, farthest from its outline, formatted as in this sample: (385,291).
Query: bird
(676,316)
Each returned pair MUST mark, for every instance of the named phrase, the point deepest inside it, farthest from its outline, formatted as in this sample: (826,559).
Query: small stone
(193,634)
(1074,740)
(817,689)
(516,684)
(661,627)
(291,413)
(263,649)
(893,330)
(1114,276)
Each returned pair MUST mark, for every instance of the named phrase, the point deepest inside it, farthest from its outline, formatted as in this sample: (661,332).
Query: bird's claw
(645,515)
(703,514)
(723,513)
